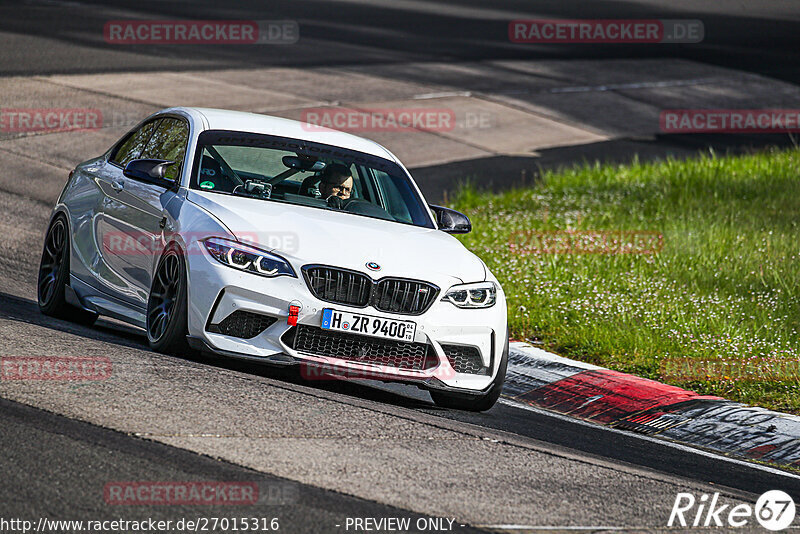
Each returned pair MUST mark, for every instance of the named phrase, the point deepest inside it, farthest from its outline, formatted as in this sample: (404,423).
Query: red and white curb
(576,389)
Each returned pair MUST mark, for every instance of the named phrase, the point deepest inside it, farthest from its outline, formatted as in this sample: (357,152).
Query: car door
(106,267)
(135,213)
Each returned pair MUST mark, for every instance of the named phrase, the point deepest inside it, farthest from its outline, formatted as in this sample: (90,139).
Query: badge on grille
(373,266)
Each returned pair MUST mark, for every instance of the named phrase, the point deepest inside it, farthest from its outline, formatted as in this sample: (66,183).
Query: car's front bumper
(216,291)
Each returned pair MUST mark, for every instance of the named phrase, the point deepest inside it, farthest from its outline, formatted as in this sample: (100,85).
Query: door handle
(117,185)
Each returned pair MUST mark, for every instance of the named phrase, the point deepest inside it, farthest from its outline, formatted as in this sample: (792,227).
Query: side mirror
(152,171)
(451,221)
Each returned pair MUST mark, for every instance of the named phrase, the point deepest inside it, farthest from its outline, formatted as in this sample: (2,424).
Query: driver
(336,181)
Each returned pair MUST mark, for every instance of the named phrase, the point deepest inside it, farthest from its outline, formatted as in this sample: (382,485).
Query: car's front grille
(465,359)
(397,295)
(393,295)
(338,285)
(362,349)
(242,324)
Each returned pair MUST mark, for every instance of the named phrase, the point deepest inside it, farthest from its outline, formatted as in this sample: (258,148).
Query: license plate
(368,325)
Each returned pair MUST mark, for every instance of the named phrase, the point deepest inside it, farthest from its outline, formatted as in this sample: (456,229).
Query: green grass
(724,285)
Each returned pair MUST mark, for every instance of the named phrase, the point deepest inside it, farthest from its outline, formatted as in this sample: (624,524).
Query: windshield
(280,169)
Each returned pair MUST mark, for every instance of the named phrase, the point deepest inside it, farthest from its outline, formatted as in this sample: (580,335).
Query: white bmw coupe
(274,240)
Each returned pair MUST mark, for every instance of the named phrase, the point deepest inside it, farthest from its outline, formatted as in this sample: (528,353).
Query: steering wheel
(336,202)
(340,203)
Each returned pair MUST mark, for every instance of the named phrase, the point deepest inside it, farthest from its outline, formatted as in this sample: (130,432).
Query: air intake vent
(242,324)
(465,359)
(363,349)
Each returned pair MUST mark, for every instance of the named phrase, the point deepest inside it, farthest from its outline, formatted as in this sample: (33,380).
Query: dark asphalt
(48,36)
(57,468)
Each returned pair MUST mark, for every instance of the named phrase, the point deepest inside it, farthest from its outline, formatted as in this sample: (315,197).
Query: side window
(134,144)
(169,142)
(395,194)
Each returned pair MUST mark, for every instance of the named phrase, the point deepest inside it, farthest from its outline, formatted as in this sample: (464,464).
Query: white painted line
(539,354)
(615,86)
(444,94)
(639,85)
(672,444)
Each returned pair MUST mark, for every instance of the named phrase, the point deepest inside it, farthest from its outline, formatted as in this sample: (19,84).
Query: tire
(167,306)
(475,403)
(54,276)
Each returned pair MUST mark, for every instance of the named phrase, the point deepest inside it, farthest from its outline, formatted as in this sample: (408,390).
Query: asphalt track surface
(44,37)
(47,36)
(342,449)
(36,441)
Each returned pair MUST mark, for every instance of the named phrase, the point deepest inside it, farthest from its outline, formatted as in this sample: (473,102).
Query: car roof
(223,119)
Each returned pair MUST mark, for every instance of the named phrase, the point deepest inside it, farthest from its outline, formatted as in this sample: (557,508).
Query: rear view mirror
(303,164)
(152,171)
(451,221)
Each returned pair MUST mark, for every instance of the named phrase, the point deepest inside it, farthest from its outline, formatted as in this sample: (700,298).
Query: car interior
(297,181)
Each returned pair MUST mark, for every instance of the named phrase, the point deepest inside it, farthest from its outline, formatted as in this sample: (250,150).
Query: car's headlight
(246,258)
(477,295)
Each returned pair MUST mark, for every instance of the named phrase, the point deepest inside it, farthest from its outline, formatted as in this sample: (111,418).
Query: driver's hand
(335,202)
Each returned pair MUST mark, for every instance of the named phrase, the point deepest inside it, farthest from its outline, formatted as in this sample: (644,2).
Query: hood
(305,235)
